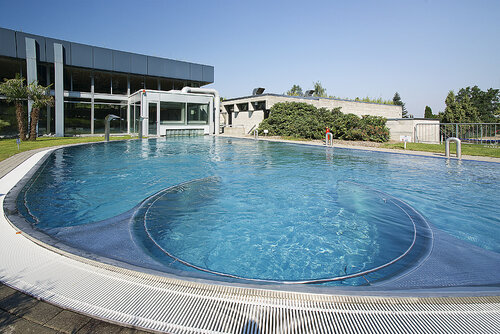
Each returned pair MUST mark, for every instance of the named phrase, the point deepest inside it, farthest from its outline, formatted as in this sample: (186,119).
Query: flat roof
(13,44)
(301,97)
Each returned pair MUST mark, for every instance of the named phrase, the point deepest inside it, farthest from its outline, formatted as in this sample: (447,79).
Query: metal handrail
(329,139)
(256,134)
(447,147)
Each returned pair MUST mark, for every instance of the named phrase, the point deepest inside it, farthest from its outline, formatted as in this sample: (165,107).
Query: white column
(59,89)
(128,105)
(92,129)
(31,72)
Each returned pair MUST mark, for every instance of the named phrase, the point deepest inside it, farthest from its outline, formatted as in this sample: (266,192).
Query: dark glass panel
(46,123)
(135,113)
(102,82)
(151,83)
(77,118)
(117,125)
(9,68)
(82,80)
(136,83)
(41,74)
(67,78)
(119,84)
(8,115)
(197,113)
(152,119)
(166,84)
(172,112)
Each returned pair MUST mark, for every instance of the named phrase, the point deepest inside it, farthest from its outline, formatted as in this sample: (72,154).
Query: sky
(419,48)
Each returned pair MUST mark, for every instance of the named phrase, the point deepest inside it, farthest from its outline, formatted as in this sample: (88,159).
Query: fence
(472,133)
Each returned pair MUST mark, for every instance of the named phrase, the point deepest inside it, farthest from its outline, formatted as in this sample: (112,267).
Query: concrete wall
(418,129)
(248,120)
(255,105)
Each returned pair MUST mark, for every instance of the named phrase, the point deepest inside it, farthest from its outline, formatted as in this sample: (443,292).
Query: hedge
(302,120)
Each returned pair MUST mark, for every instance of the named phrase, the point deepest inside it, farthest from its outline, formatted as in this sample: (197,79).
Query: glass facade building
(90,82)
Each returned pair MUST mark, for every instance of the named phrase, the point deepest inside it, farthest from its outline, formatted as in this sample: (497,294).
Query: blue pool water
(266,210)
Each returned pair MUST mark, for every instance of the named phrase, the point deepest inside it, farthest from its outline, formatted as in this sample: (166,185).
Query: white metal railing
(471,133)
(256,134)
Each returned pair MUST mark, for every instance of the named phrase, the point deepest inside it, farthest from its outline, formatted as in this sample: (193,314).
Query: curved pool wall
(475,267)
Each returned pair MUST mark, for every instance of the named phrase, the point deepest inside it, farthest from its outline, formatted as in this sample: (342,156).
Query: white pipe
(214,128)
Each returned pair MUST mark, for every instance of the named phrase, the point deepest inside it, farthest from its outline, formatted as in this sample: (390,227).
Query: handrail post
(255,134)
(447,147)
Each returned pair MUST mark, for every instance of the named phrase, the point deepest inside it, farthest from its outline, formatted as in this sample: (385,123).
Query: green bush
(302,120)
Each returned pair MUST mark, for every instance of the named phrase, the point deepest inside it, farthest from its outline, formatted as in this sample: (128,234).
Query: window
(152,118)
(172,112)
(77,118)
(166,84)
(8,115)
(102,82)
(9,68)
(116,125)
(136,83)
(243,106)
(82,80)
(152,83)
(197,113)
(119,84)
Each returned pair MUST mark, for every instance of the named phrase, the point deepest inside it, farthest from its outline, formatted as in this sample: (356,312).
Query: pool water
(265,210)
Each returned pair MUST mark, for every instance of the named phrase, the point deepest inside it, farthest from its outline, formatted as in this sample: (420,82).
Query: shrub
(303,120)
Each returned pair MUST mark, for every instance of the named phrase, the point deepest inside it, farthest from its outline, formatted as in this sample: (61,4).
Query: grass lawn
(8,147)
(467,149)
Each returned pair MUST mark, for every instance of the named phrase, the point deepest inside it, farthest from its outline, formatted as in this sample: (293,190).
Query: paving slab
(67,322)
(17,303)
(95,326)
(41,313)
(6,291)
(16,325)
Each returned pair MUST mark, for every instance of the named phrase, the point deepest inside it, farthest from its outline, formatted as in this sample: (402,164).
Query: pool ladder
(447,147)
(329,139)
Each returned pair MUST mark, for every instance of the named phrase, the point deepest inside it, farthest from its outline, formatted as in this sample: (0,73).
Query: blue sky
(420,48)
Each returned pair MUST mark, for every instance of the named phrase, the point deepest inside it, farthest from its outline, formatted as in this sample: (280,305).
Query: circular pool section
(244,209)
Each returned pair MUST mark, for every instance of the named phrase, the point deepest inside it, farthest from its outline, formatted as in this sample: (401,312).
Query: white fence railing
(472,133)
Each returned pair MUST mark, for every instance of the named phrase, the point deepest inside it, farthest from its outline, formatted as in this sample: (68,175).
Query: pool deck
(148,302)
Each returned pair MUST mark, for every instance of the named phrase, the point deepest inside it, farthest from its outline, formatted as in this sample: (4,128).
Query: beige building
(242,115)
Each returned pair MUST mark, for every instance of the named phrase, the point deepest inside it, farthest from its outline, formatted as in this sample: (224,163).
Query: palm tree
(15,92)
(41,98)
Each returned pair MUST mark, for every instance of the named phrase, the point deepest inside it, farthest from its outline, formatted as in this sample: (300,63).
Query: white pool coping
(175,305)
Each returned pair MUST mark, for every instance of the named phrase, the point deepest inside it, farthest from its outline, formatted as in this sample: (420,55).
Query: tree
(486,103)
(319,91)
(15,92)
(41,98)
(398,102)
(428,112)
(463,107)
(451,112)
(296,90)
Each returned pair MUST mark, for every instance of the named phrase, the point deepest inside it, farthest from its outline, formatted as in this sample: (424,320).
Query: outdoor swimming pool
(261,210)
